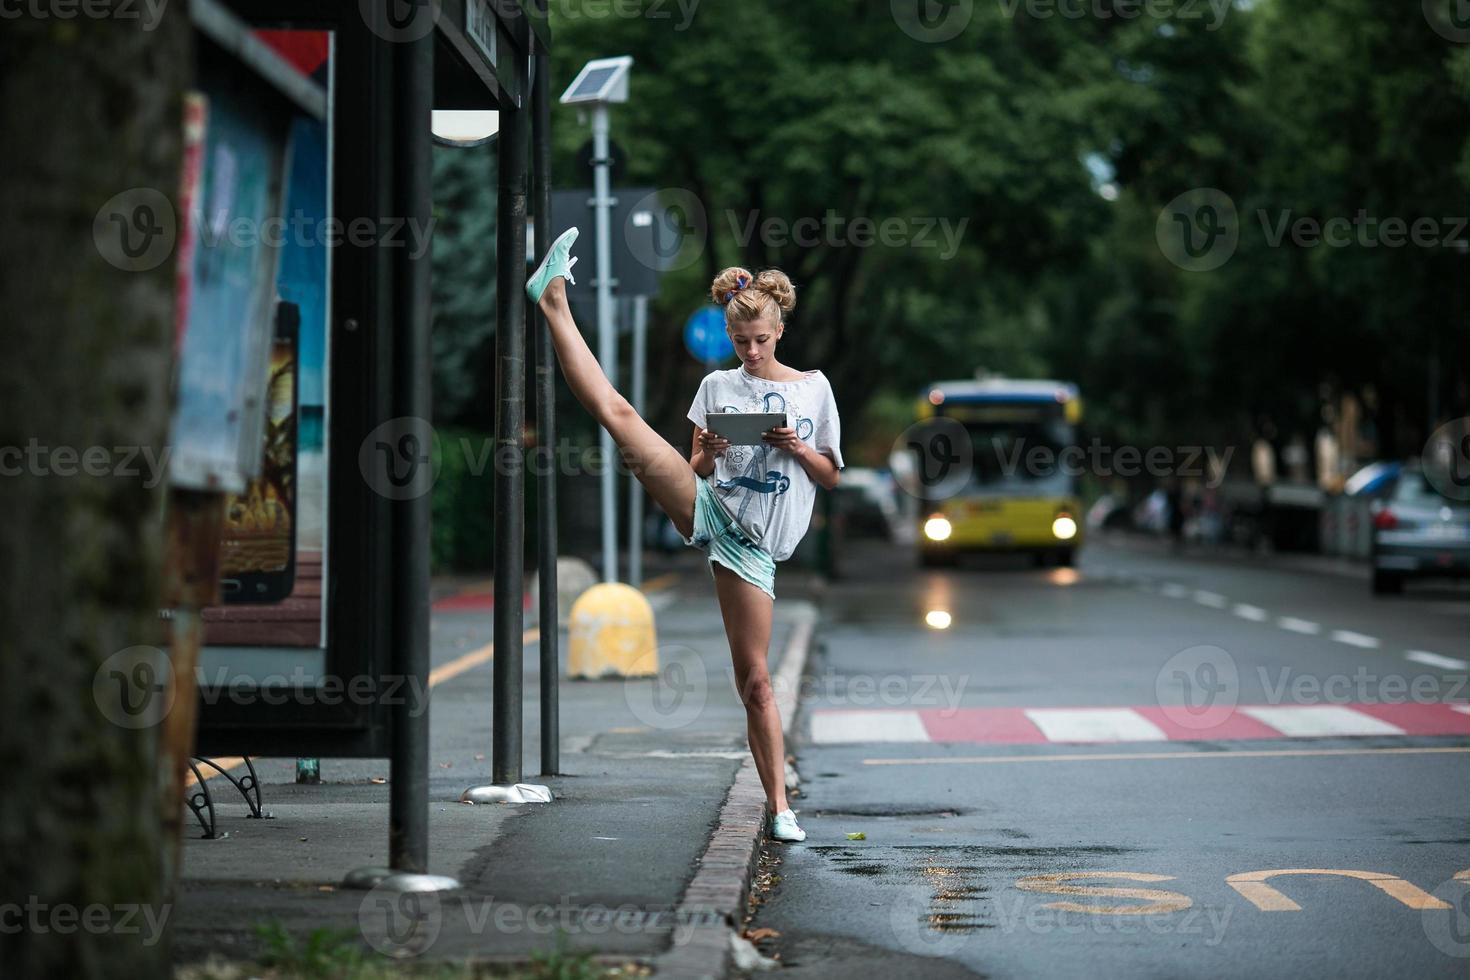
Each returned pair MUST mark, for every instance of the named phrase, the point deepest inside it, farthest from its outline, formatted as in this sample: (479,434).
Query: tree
(90,108)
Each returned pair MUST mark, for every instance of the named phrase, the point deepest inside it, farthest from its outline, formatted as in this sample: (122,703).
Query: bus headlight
(1064,528)
(937,528)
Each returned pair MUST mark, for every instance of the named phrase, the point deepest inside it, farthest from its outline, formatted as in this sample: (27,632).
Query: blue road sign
(704,335)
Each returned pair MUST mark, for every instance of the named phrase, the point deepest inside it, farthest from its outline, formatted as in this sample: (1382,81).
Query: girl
(759,502)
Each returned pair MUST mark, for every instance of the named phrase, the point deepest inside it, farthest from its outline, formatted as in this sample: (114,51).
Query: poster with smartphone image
(258,544)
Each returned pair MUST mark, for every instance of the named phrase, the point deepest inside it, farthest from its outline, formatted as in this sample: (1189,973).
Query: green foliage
(325,953)
(1303,107)
(462,536)
(464,285)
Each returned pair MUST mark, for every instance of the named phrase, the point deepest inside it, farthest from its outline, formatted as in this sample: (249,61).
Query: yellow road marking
(1158,900)
(1130,756)
(1252,886)
(660,582)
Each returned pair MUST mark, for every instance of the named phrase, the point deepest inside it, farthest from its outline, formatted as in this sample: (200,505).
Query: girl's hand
(783,437)
(712,444)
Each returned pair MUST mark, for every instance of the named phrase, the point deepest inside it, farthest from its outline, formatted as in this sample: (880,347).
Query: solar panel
(591,83)
(602,80)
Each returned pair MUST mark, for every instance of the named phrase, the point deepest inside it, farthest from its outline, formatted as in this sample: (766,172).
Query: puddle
(955,878)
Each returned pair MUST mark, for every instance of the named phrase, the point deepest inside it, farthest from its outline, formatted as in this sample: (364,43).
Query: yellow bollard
(612,633)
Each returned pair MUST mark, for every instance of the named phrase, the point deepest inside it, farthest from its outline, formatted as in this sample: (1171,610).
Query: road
(1105,771)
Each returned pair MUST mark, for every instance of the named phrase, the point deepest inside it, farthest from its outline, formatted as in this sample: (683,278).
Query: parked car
(868,500)
(1418,532)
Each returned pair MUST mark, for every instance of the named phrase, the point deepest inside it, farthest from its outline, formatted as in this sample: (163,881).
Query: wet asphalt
(1040,859)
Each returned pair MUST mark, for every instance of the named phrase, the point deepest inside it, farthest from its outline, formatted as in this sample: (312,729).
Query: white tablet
(744,428)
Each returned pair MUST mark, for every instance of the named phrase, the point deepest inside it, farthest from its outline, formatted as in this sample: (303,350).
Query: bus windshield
(1018,448)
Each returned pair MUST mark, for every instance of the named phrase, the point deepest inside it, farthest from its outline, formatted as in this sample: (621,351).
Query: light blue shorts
(716,532)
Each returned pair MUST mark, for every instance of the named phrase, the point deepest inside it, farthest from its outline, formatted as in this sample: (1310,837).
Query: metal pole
(510,417)
(635,491)
(546,426)
(606,341)
(408,806)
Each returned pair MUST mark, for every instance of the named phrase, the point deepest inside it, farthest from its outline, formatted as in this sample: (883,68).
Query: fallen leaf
(857,836)
(378,780)
(761,933)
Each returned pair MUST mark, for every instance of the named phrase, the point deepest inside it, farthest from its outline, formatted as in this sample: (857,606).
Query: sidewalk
(606,868)
(1238,554)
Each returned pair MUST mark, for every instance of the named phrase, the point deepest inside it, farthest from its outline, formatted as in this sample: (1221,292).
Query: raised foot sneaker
(555,264)
(784,827)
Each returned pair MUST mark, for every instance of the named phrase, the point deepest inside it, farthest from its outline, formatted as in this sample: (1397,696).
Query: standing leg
(662,470)
(747,614)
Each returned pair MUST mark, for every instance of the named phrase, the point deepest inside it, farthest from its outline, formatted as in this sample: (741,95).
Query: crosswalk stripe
(1316,720)
(868,726)
(1095,725)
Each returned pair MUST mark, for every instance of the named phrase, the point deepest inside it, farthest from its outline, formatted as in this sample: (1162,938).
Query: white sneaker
(784,827)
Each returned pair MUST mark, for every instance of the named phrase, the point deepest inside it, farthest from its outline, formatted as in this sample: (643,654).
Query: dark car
(1418,532)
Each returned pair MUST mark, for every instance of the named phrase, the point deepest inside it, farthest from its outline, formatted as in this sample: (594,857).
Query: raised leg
(747,614)
(663,471)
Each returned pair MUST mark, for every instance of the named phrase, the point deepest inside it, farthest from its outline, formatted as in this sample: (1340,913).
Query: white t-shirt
(764,488)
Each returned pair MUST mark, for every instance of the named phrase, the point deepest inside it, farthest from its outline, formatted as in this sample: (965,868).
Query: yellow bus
(1021,494)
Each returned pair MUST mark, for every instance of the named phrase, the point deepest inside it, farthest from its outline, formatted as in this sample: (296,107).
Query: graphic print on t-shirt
(766,490)
(757,476)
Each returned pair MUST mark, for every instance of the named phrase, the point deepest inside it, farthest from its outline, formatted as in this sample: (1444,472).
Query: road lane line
(1253,613)
(1095,725)
(1304,626)
(1352,639)
(868,726)
(1319,720)
(1436,660)
(1152,756)
(1174,590)
(1212,599)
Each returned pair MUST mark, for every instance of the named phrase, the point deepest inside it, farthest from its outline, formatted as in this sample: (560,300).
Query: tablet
(742,428)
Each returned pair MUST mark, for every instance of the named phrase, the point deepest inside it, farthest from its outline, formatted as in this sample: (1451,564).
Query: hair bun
(749,297)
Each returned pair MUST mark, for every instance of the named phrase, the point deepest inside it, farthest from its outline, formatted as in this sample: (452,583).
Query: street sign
(640,220)
(704,335)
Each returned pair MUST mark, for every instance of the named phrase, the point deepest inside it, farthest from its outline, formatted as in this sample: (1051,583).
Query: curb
(715,897)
